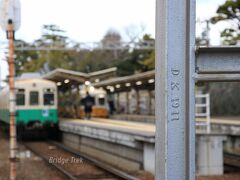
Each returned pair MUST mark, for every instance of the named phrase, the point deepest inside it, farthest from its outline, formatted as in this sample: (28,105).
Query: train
(71,104)
(39,106)
(100,107)
(36,106)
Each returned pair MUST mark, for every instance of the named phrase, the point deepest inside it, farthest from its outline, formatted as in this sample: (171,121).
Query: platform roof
(102,75)
(60,75)
(143,80)
(105,78)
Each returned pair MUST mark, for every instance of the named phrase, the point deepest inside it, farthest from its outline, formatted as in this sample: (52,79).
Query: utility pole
(10,22)
(12,101)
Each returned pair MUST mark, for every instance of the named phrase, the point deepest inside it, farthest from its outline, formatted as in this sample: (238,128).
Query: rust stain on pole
(13,141)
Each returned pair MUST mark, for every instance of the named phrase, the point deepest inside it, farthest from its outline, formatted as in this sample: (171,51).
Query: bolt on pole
(13,141)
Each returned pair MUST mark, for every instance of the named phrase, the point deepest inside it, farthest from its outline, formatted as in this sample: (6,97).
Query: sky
(85,20)
(89,20)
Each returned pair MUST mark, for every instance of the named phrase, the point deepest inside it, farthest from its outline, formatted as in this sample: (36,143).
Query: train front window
(20,97)
(34,98)
(101,101)
(48,97)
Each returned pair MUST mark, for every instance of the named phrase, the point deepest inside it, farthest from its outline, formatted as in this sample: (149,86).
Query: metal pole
(175,58)
(13,141)
(118,102)
(150,102)
(138,101)
(127,102)
(208,113)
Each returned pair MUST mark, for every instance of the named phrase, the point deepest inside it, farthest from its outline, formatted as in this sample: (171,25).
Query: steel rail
(60,169)
(99,164)
(232,156)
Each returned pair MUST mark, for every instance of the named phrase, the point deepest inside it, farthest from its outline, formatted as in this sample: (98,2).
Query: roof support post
(118,102)
(127,102)
(149,102)
(137,101)
(175,66)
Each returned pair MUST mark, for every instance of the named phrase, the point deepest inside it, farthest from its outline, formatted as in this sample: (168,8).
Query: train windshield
(20,97)
(48,97)
(34,98)
(101,101)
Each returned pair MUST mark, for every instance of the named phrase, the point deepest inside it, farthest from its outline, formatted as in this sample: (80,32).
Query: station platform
(220,125)
(230,120)
(131,145)
(135,118)
(142,129)
(126,145)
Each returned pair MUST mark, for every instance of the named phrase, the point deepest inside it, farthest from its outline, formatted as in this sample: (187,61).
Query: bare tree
(134,32)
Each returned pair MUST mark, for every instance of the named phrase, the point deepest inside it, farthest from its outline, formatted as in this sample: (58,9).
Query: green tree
(149,60)
(224,98)
(229,12)
(53,36)
(36,61)
(228,103)
(139,60)
(23,57)
(84,60)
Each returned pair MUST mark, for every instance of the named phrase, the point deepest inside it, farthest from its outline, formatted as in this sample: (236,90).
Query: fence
(203,118)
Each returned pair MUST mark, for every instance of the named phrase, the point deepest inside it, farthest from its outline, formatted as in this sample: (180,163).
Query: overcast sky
(88,20)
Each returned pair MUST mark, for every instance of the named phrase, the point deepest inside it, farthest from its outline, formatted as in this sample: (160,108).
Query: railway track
(232,160)
(74,165)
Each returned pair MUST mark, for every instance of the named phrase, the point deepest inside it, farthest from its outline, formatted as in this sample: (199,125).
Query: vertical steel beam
(78,101)
(175,58)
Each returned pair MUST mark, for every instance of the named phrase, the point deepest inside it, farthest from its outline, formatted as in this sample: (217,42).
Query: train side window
(48,97)
(101,101)
(34,98)
(20,97)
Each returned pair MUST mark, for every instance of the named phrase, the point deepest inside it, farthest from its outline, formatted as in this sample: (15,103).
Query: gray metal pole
(175,58)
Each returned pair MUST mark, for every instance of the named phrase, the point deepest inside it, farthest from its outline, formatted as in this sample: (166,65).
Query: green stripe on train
(25,116)
(4,115)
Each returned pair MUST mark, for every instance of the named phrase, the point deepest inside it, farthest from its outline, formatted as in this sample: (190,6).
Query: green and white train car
(36,105)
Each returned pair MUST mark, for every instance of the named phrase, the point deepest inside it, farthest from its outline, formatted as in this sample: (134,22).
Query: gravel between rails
(28,168)
(34,168)
(76,166)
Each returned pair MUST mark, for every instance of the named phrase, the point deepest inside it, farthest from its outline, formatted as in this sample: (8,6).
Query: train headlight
(139,83)
(87,83)
(66,81)
(91,89)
